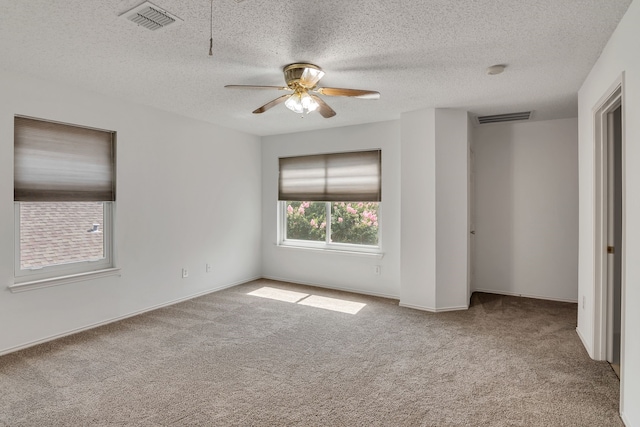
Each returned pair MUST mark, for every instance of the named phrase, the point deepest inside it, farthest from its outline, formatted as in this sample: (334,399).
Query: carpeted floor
(230,358)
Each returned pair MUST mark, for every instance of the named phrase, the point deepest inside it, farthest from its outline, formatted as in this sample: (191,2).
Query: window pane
(306,221)
(60,233)
(354,223)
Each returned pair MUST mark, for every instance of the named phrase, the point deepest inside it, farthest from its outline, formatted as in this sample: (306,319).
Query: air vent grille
(151,17)
(510,117)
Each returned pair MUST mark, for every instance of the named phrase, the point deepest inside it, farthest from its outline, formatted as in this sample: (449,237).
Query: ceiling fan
(302,80)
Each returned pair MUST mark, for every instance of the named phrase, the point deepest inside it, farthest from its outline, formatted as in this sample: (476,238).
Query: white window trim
(62,280)
(64,273)
(341,252)
(326,246)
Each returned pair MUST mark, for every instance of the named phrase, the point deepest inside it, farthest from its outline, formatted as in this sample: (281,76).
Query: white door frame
(471,221)
(613,98)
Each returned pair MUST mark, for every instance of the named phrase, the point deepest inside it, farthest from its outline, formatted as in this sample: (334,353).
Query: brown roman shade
(61,162)
(352,177)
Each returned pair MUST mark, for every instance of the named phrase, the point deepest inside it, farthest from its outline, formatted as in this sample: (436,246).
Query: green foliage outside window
(351,222)
(306,221)
(355,223)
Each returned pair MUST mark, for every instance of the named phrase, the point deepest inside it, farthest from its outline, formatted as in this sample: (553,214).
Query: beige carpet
(230,358)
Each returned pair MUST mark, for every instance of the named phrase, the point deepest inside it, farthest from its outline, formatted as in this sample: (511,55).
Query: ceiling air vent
(498,118)
(150,16)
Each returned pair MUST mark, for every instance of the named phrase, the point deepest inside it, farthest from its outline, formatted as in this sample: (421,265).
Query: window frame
(327,244)
(69,269)
(94,188)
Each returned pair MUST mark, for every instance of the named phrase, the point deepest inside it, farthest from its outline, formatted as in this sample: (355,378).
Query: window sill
(377,255)
(62,280)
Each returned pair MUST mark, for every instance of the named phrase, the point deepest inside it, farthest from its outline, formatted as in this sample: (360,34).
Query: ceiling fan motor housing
(293,74)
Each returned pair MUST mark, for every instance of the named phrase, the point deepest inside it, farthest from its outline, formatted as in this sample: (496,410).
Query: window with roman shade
(331,201)
(64,193)
(353,176)
(60,162)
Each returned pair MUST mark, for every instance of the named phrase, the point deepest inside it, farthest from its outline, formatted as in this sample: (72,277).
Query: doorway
(614,233)
(471,221)
(609,229)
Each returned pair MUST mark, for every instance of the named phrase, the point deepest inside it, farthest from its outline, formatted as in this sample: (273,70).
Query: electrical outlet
(377,270)
(208,268)
(185,273)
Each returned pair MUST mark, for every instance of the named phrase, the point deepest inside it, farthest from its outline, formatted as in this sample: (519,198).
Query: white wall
(418,214)
(327,268)
(620,55)
(527,209)
(452,197)
(434,206)
(175,208)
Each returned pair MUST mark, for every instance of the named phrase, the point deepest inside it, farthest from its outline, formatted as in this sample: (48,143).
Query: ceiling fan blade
(271,104)
(256,87)
(324,109)
(355,93)
(310,77)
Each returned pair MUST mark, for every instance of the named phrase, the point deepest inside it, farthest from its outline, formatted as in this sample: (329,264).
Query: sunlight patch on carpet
(278,294)
(333,304)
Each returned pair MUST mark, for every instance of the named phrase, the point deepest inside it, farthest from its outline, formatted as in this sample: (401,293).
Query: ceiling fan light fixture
(302,82)
(310,77)
(308,103)
(301,102)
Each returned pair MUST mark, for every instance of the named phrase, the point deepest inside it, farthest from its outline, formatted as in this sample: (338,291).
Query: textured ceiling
(421,54)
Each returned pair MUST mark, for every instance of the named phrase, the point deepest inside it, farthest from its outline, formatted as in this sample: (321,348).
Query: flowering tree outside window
(306,221)
(354,223)
(349,222)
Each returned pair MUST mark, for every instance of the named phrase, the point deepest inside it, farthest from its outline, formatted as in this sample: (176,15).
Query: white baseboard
(126,316)
(336,288)
(626,422)
(584,343)
(432,309)
(516,294)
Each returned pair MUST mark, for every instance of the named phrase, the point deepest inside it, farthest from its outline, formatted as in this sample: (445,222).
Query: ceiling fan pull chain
(211,28)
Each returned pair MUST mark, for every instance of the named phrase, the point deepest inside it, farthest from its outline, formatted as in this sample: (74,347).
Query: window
(331,201)
(64,189)
(342,223)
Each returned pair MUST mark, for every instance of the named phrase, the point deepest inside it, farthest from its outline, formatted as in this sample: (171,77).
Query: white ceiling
(420,54)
